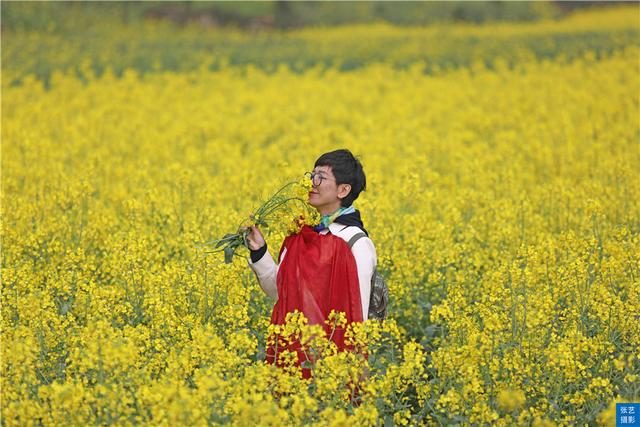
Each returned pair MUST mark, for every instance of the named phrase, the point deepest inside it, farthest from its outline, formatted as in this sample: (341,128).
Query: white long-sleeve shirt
(363,251)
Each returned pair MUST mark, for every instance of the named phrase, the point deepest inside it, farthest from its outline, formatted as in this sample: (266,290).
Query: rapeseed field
(503,198)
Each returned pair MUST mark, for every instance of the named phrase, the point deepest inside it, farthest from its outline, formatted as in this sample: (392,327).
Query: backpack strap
(355,238)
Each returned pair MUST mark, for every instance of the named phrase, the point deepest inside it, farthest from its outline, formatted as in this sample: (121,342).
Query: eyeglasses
(316,178)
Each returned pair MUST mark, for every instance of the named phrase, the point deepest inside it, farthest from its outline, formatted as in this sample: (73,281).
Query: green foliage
(50,16)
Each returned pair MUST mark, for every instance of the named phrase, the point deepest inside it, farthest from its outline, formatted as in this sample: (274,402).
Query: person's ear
(344,190)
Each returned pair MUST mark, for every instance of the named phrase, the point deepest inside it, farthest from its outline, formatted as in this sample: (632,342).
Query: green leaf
(228,254)
(225,239)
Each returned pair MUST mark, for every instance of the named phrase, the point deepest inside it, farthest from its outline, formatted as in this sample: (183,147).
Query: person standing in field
(317,271)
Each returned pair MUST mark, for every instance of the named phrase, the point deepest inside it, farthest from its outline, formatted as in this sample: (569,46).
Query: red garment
(318,274)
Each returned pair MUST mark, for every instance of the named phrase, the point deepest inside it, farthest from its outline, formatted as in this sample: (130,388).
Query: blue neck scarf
(328,219)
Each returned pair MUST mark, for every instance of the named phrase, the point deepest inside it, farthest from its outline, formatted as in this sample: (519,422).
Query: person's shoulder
(363,248)
(346,232)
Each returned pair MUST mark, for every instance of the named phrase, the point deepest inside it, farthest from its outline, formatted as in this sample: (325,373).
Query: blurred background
(89,38)
(263,15)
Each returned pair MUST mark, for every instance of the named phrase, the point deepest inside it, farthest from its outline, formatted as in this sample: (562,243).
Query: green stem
(277,206)
(273,198)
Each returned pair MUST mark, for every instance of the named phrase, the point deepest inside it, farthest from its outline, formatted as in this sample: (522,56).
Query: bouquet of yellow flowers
(289,204)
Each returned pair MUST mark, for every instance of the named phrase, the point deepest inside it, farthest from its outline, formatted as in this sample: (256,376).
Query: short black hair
(347,169)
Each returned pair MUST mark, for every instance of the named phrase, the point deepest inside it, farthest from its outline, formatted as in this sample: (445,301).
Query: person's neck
(330,209)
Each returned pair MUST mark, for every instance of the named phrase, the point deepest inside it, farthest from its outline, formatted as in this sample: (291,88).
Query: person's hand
(255,239)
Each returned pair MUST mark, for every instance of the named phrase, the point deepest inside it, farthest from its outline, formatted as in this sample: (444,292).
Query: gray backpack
(379,289)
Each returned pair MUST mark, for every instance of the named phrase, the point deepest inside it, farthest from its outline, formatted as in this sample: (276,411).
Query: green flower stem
(261,216)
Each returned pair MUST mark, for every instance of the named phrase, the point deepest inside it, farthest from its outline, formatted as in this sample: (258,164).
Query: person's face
(325,195)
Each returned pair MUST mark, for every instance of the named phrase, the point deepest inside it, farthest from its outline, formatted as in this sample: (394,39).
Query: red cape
(317,275)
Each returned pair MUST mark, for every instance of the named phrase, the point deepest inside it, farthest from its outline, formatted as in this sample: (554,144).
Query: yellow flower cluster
(503,203)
